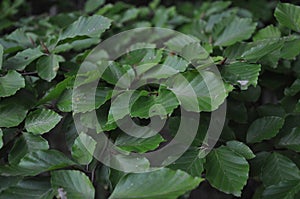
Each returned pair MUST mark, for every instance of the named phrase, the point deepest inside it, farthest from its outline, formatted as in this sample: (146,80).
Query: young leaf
(269,32)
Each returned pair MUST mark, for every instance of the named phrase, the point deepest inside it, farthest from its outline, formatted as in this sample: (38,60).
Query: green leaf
(92,26)
(161,184)
(171,66)
(47,66)
(269,32)
(283,190)
(293,89)
(119,109)
(239,29)
(116,72)
(43,160)
(11,83)
(92,5)
(262,48)
(288,15)
(241,74)
(64,103)
(264,128)
(209,90)
(190,162)
(41,121)
(1,140)
(290,49)
(58,90)
(278,168)
(8,109)
(139,145)
(226,170)
(291,140)
(22,59)
(75,184)
(241,149)
(148,106)
(25,144)
(1,56)
(83,98)
(37,188)
(83,148)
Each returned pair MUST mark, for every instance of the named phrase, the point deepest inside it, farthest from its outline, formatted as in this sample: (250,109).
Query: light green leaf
(269,32)
(241,74)
(47,66)
(288,15)
(92,26)
(121,74)
(41,121)
(22,59)
(92,5)
(11,83)
(240,148)
(278,168)
(283,190)
(226,170)
(190,162)
(239,29)
(83,148)
(139,145)
(264,128)
(161,184)
(291,140)
(25,144)
(75,184)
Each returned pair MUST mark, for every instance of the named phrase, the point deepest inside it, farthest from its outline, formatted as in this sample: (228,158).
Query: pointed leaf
(240,148)
(41,121)
(288,15)
(264,128)
(161,184)
(91,26)
(11,83)
(292,140)
(47,66)
(75,184)
(226,170)
(239,29)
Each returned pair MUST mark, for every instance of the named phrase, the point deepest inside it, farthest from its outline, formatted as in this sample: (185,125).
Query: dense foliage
(256,50)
